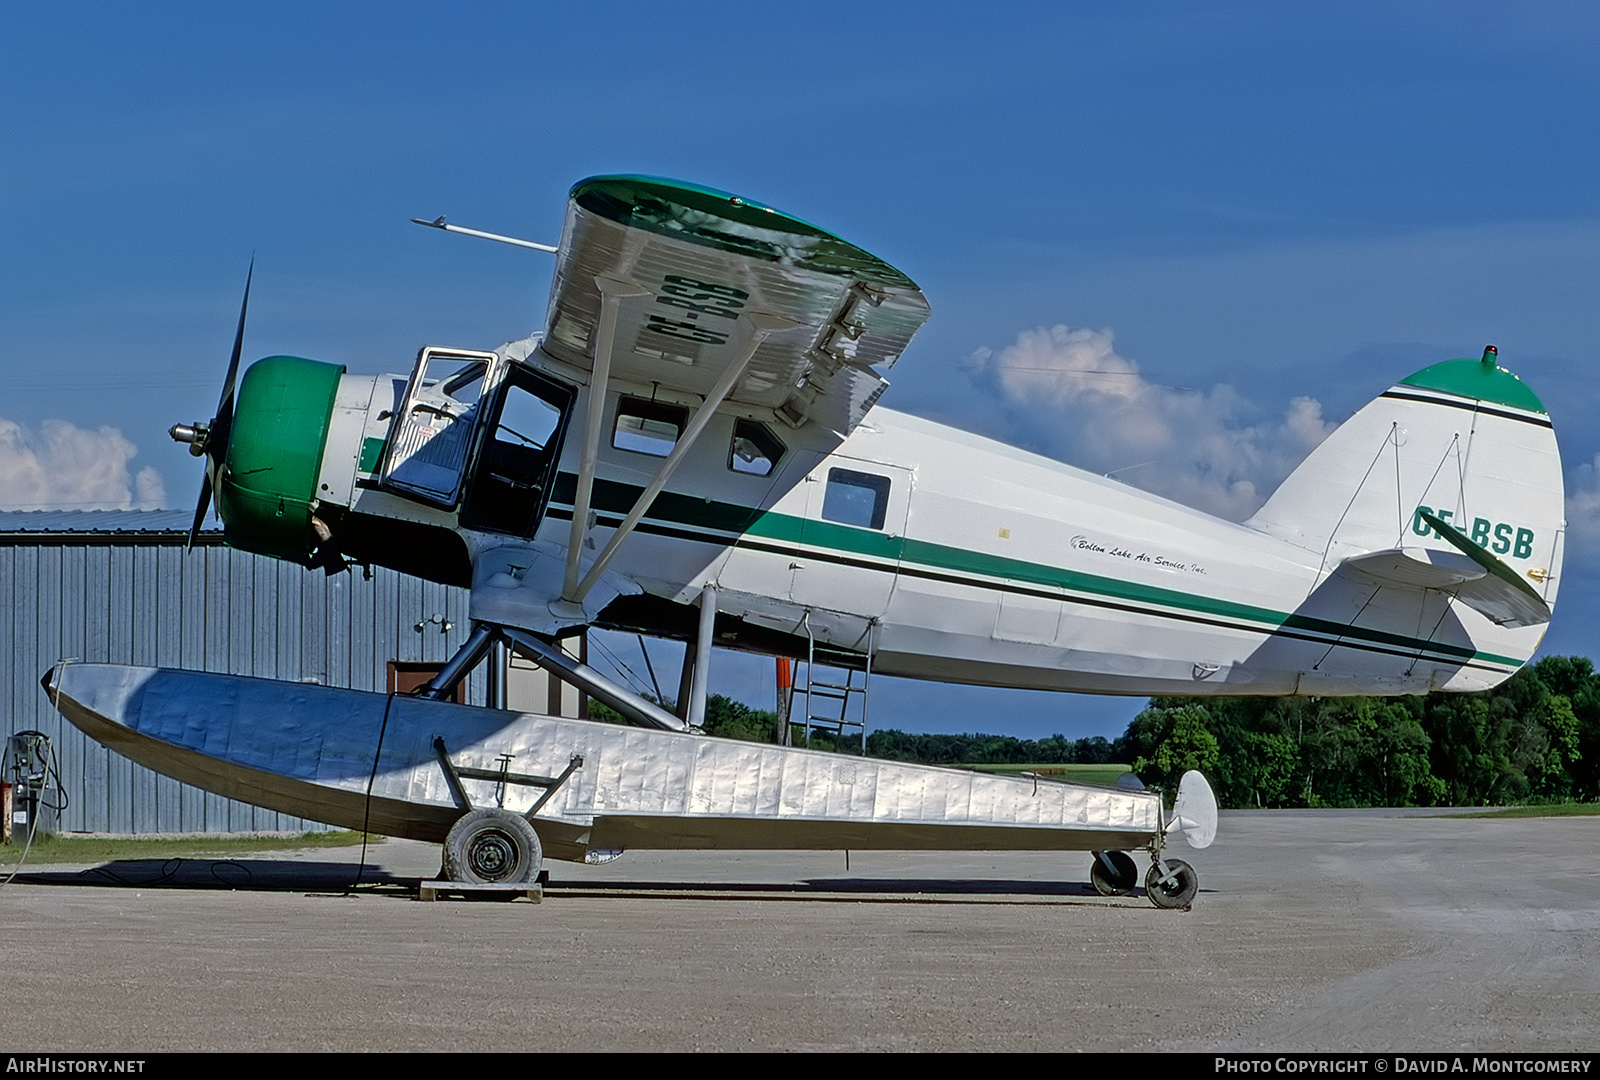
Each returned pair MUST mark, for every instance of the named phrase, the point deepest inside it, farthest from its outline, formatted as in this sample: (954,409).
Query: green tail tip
(1490,355)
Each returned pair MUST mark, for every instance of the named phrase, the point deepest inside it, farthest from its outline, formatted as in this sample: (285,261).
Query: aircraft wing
(1484,583)
(693,267)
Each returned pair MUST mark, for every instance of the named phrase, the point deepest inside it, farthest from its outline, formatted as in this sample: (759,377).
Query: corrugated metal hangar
(118,587)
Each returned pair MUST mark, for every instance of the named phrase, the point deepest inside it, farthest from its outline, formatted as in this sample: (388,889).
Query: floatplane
(693,448)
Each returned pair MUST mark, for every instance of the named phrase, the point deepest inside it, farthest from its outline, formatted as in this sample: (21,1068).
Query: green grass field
(1097,775)
(1552,810)
(98,849)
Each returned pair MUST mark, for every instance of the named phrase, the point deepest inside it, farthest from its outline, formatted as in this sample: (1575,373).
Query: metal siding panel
(260,630)
(314,593)
(85,572)
(243,642)
(94,568)
(411,624)
(149,612)
(397,627)
(338,643)
(210,609)
(11,644)
(120,591)
(158,634)
(197,570)
(364,609)
(385,624)
(20,595)
(196,607)
(223,598)
(437,642)
(146,799)
(290,587)
(191,809)
(52,611)
(166,803)
(151,628)
(214,813)
(241,816)
(218,593)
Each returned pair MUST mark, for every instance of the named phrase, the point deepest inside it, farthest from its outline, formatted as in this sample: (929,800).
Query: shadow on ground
(252,874)
(265,875)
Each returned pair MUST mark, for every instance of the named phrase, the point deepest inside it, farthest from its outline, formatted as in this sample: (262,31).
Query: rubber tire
(492,847)
(1120,883)
(1179,893)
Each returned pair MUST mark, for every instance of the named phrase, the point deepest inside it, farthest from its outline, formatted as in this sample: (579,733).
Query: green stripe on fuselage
(616,498)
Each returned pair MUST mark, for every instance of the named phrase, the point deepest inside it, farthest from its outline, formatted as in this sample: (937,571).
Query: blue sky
(1248,202)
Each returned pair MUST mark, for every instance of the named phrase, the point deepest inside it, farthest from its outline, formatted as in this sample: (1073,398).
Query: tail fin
(1464,443)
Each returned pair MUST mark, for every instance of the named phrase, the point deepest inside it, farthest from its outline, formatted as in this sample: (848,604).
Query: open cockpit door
(511,480)
(433,430)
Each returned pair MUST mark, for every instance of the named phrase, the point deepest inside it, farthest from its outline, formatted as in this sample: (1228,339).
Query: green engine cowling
(268,482)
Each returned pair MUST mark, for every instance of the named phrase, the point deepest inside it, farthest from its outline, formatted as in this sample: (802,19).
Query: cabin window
(855,498)
(755,450)
(648,427)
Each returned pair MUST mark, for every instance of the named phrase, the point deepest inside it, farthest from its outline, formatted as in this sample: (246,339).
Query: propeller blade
(200,511)
(216,435)
(217,446)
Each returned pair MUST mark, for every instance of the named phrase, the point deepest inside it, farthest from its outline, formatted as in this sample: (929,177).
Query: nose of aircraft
(268,482)
(263,450)
(210,440)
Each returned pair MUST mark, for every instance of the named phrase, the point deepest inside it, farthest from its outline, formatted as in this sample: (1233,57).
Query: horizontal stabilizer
(1416,567)
(1484,583)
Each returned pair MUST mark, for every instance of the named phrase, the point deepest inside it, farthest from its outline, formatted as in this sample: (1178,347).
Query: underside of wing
(695,272)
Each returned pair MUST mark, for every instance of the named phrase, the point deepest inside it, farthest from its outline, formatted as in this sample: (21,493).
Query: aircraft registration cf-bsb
(694,448)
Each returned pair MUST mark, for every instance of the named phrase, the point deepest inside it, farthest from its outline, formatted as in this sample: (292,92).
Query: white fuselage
(985,564)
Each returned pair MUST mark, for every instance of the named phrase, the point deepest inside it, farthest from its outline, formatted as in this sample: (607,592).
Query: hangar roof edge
(127,525)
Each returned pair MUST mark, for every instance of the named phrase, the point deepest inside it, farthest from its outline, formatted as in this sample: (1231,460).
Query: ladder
(836,679)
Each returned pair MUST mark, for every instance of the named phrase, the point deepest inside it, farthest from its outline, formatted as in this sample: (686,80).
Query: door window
(856,498)
(511,485)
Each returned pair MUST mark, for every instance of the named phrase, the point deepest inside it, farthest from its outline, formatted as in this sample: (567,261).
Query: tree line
(1535,738)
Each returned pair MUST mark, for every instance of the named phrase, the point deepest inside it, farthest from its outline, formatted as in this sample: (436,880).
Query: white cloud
(63,467)
(1583,510)
(1070,395)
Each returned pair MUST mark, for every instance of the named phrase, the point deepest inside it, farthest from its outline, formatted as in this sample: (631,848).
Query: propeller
(210,440)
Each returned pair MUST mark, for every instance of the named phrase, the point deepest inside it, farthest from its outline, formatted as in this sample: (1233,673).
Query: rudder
(1466,441)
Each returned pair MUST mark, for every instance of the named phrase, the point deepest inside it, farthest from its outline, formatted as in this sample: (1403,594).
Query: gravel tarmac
(1344,931)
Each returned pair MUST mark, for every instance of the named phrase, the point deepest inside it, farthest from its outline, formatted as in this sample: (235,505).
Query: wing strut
(757,326)
(613,291)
